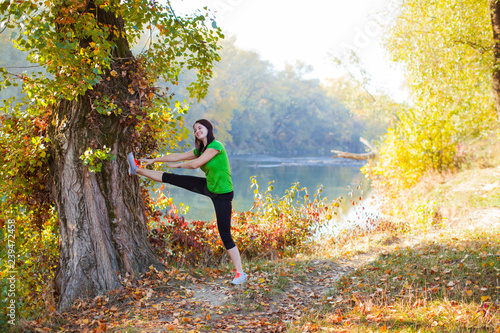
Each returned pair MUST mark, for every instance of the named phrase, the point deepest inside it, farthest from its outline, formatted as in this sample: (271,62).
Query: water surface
(338,176)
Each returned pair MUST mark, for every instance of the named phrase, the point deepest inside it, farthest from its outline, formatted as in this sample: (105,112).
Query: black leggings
(222,202)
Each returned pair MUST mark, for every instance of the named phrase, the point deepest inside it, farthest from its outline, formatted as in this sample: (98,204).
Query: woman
(211,157)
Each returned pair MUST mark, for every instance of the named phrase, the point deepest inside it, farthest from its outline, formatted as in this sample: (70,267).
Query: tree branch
(366,156)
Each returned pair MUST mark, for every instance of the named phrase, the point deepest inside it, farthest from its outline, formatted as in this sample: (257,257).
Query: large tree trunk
(495,22)
(103,231)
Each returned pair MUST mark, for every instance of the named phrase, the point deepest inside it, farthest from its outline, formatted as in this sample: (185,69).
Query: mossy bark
(103,231)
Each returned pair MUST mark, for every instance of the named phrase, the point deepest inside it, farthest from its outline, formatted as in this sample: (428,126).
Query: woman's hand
(147,161)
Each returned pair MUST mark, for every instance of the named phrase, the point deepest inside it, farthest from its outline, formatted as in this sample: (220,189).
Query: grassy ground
(443,283)
(441,275)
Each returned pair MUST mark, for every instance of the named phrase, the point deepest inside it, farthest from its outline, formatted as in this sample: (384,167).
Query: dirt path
(314,287)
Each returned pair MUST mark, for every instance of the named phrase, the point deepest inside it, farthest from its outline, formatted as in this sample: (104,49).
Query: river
(338,176)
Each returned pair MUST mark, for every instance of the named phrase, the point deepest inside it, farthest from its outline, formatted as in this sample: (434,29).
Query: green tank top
(217,170)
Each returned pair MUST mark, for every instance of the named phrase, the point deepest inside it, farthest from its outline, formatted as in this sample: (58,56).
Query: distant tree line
(258,109)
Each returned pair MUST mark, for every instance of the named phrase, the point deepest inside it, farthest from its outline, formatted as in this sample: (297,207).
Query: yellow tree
(445,49)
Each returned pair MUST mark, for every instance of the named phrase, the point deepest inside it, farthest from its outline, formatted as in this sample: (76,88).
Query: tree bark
(495,22)
(365,156)
(102,222)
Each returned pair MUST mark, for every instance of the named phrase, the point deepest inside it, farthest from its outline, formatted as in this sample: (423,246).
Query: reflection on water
(338,176)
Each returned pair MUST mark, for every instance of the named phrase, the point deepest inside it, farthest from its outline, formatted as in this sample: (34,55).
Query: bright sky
(284,31)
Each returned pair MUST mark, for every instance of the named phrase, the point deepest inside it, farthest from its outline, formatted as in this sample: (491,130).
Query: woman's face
(200,131)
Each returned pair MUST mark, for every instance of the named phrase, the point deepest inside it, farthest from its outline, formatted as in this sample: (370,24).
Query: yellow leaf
(468,292)
(484,298)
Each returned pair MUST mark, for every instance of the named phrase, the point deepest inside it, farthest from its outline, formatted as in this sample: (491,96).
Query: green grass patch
(486,200)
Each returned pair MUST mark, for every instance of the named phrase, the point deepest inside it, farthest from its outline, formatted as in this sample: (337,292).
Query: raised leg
(151,174)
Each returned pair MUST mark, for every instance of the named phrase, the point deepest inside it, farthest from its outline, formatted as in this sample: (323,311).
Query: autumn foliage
(276,227)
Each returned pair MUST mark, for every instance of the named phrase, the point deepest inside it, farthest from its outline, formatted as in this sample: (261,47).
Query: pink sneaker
(239,278)
(132,164)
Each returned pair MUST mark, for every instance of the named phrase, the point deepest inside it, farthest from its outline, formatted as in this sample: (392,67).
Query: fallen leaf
(335,318)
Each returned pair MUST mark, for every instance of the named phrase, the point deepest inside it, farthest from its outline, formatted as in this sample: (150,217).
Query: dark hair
(210,136)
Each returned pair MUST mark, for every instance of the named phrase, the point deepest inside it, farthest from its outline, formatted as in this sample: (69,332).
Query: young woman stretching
(211,157)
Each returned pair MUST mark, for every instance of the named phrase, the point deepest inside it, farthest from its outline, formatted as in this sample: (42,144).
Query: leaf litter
(275,294)
(286,294)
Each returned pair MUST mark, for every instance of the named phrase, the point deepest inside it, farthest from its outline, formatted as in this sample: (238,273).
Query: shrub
(275,227)
(36,254)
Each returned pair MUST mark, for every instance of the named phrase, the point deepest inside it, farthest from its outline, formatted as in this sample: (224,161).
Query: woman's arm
(175,157)
(196,163)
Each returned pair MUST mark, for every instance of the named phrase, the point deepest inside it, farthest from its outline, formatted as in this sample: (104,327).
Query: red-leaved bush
(275,227)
